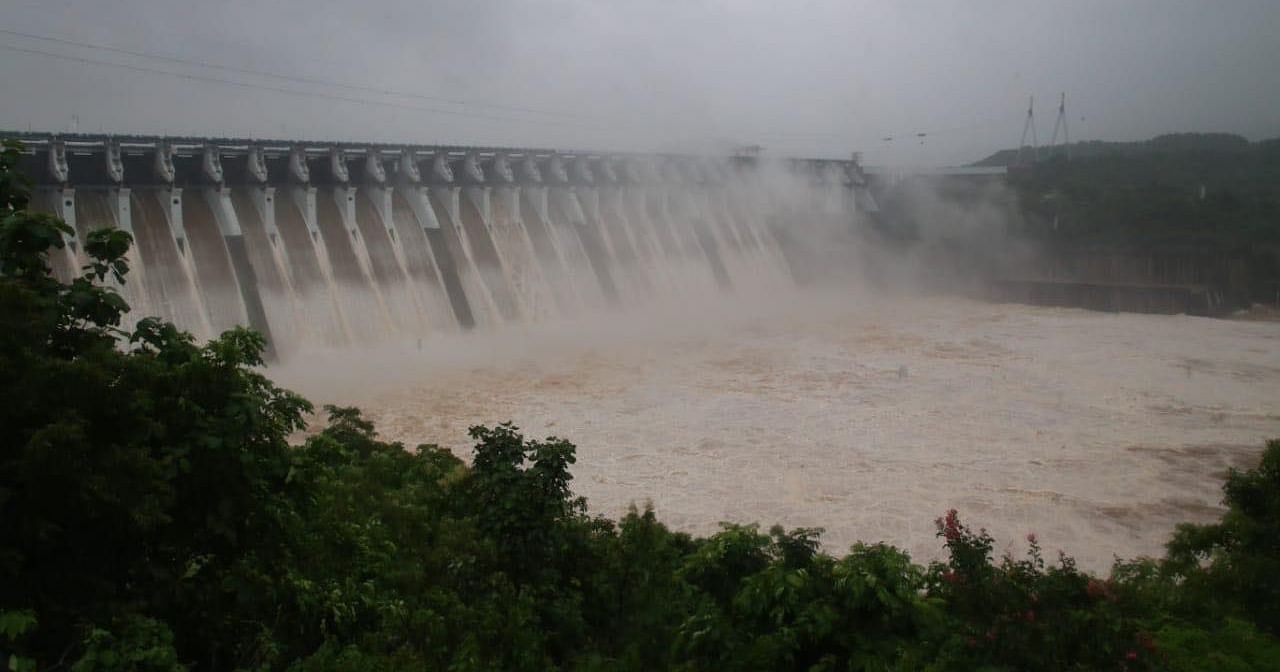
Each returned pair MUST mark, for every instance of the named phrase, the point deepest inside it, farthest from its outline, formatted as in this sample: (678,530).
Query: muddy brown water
(866,417)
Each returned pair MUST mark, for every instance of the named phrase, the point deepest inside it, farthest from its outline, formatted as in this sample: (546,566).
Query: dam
(334,244)
(677,317)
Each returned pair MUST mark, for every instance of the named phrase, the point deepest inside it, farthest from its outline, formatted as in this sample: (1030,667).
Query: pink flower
(1031,537)
(1131,655)
(949,526)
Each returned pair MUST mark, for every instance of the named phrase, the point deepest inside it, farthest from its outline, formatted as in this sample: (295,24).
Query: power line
(601,124)
(293,92)
(921,135)
(813,135)
(286,77)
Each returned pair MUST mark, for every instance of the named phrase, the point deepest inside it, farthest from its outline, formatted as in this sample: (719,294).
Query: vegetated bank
(1185,222)
(155,517)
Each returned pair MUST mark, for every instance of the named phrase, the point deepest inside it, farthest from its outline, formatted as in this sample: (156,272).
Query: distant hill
(1224,143)
(1205,195)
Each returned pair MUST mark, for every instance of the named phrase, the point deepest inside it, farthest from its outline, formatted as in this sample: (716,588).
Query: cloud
(807,77)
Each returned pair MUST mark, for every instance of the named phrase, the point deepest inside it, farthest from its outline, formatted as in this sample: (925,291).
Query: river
(866,416)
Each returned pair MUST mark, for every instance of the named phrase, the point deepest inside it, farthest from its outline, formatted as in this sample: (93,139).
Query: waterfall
(211,265)
(65,262)
(564,217)
(95,210)
(473,207)
(387,265)
(425,277)
(533,214)
(452,253)
(270,261)
(622,244)
(397,255)
(361,303)
(314,287)
(163,250)
(532,290)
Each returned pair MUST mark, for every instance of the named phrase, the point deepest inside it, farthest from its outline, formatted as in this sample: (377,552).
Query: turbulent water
(661,330)
(867,417)
(357,266)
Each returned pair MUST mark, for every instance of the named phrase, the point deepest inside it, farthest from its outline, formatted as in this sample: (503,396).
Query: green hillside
(1207,196)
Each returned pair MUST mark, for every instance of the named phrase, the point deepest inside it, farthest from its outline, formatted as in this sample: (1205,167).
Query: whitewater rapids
(865,416)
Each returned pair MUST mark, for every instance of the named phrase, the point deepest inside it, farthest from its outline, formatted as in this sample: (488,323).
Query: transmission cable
(294,92)
(286,77)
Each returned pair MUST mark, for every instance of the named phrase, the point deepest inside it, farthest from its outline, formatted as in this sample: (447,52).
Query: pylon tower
(1030,126)
(1062,123)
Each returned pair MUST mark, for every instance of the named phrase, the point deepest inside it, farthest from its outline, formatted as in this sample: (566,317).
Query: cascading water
(64,262)
(472,206)
(170,282)
(511,238)
(400,254)
(594,247)
(425,277)
(450,243)
(655,258)
(314,288)
(617,235)
(357,294)
(388,270)
(533,213)
(211,263)
(563,221)
(267,256)
(94,210)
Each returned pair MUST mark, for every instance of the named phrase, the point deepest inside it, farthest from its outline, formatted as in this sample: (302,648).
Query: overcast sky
(800,77)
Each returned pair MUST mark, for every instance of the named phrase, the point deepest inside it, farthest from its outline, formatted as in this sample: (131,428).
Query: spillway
(328,245)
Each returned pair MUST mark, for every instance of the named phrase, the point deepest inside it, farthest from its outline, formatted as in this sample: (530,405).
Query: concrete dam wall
(1203,284)
(334,244)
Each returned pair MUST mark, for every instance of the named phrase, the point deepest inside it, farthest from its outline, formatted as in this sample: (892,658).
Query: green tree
(1235,563)
(137,467)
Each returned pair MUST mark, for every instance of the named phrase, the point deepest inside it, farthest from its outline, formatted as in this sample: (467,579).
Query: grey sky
(801,77)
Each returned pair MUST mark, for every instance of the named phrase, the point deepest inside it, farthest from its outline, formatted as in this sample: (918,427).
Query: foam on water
(865,416)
